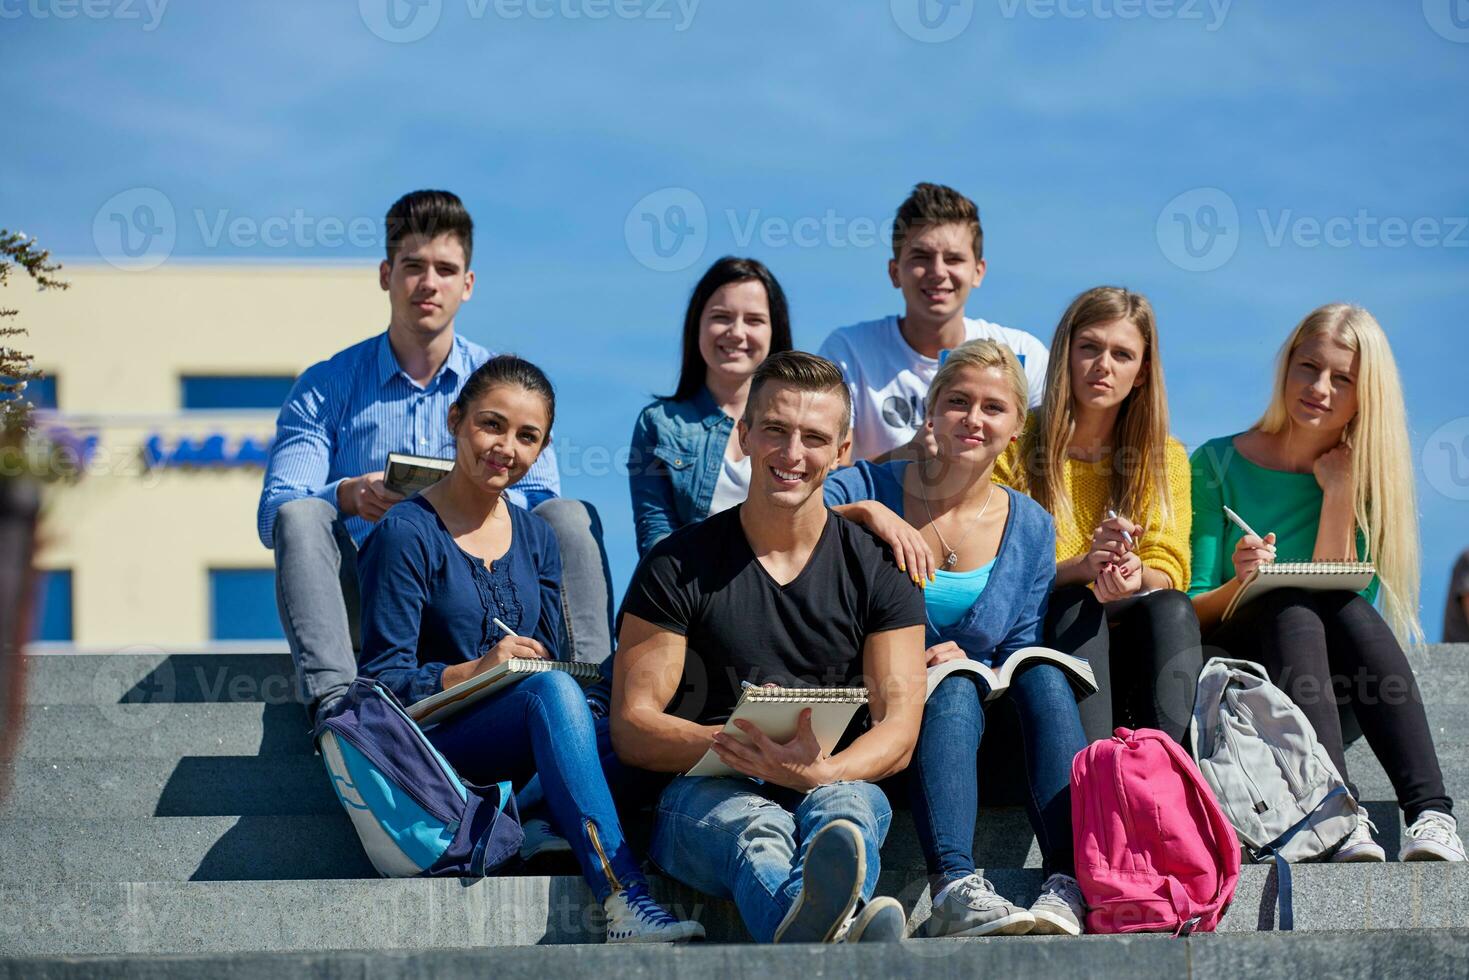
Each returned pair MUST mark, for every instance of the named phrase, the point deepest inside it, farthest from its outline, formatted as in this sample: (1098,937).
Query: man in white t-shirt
(938,259)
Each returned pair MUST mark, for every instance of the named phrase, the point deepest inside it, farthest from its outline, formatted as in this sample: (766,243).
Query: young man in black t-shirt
(778,590)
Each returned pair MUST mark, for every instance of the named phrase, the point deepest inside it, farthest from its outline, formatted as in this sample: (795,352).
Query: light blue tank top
(951,595)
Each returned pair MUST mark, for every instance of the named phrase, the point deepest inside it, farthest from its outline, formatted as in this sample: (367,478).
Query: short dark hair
(507,369)
(803,372)
(935,204)
(429,213)
(723,272)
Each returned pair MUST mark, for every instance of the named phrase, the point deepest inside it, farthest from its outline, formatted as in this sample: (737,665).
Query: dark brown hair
(803,372)
(935,204)
(727,270)
(507,369)
(429,213)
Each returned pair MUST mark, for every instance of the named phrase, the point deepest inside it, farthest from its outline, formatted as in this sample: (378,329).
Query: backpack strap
(1287,917)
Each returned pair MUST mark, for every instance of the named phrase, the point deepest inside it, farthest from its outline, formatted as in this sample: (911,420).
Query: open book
(436,707)
(407,474)
(776,711)
(1077,671)
(1317,576)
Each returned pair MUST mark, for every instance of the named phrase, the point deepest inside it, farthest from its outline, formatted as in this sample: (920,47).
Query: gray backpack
(1274,780)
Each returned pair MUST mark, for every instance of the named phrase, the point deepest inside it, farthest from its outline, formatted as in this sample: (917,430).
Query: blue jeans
(944,777)
(542,725)
(742,840)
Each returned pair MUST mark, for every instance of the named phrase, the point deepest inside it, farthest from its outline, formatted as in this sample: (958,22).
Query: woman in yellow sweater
(1098,457)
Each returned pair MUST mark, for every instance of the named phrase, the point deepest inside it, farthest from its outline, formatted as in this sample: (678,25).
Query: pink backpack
(1154,852)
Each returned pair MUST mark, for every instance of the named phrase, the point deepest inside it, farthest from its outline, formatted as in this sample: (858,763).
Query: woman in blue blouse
(684,466)
(987,599)
(437,571)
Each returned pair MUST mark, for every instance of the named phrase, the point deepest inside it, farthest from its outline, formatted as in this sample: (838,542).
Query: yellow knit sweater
(1164,548)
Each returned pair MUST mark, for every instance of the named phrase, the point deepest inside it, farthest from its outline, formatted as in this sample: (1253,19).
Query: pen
(1112,514)
(1240,523)
(508,630)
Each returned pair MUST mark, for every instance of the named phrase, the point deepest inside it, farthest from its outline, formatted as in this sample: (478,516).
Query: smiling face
(426,283)
(734,330)
(976,415)
(793,438)
(500,435)
(936,272)
(1106,364)
(1321,384)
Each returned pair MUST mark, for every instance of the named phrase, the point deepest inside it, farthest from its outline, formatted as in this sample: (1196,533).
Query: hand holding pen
(1252,551)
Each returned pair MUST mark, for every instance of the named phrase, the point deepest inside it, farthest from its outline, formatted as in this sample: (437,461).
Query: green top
(1269,500)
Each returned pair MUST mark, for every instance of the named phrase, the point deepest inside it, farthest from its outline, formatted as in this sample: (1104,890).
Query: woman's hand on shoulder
(1333,469)
(910,551)
(943,652)
(1251,553)
(510,647)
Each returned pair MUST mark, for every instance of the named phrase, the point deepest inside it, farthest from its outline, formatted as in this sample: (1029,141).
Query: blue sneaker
(633,917)
(831,882)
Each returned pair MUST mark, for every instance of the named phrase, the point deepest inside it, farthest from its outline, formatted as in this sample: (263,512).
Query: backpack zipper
(611,877)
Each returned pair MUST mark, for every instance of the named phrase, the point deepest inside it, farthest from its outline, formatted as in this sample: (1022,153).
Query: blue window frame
(52,617)
(211,391)
(41,392)
(242,604)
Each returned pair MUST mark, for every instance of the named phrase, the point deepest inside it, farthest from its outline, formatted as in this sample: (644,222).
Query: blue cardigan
(1011,612)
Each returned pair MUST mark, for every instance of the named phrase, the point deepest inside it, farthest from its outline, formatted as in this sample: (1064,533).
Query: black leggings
(1325,649)
(1144,650)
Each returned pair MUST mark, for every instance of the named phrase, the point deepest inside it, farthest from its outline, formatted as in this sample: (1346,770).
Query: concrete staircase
(166,816)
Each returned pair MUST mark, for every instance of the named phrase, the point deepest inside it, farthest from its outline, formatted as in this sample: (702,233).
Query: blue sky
(1239,162)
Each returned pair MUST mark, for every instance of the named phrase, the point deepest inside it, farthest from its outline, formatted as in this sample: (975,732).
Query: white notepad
(437,707)
(1317,576)
(776,711)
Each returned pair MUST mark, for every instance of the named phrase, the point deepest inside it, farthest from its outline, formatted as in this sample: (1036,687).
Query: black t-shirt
(705,583)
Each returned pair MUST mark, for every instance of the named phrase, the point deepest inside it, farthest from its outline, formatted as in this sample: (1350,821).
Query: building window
(213,391)
(242,604)
(51,621)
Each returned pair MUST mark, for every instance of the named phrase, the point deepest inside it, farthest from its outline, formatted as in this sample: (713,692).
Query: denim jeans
(737,839)
(944,776)
(542,726)
(319,602)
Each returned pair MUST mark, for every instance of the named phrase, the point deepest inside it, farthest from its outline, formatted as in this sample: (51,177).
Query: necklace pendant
(951,560)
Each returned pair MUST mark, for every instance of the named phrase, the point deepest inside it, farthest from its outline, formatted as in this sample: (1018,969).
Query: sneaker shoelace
(1063,888)
(648,911)
(1434,829)
(974,888)
(1361,834)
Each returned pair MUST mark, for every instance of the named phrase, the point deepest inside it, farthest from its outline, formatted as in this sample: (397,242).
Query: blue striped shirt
(346,414)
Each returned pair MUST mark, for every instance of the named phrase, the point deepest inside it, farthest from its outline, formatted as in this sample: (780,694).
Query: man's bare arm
(646,675)
(893,663)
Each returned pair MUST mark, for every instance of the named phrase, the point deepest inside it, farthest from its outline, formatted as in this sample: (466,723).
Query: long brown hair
(1140,436)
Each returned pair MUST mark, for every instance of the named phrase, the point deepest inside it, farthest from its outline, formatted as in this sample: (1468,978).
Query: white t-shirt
(889,380)
(733,484)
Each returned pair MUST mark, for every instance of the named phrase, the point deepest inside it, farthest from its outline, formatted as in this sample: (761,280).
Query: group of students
(930,487)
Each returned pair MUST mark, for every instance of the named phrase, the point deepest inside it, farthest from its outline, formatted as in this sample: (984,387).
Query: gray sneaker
(831,882)
(881,920)
(1060,910)
(970,907)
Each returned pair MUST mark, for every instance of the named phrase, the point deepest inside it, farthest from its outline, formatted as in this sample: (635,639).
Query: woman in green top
(1327,476)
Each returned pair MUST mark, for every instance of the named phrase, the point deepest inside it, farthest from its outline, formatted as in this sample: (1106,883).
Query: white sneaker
(541,839)
(633,917)
(1358,846)
(1434,836)
(971,907)
(1060,910)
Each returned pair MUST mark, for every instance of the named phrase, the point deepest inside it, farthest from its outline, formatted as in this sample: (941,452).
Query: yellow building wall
(140,542)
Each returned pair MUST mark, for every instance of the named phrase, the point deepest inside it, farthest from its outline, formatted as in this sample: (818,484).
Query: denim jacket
(677,449)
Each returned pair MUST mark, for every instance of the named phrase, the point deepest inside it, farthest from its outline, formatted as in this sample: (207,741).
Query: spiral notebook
(437,707)
(1316,576)
(776,710)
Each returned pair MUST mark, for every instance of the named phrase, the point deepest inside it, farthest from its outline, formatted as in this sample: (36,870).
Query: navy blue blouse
(427,603)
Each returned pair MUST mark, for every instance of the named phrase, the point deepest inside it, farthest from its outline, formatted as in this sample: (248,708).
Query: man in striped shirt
(324,486)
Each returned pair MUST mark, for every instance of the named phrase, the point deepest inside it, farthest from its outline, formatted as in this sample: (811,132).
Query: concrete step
(49,919)
(163,731)
(1365,955)
(191,786)
(152,678)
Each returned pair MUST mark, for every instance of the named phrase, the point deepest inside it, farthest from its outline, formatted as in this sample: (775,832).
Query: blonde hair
(1386,505)
(982,354)
(1139,479)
